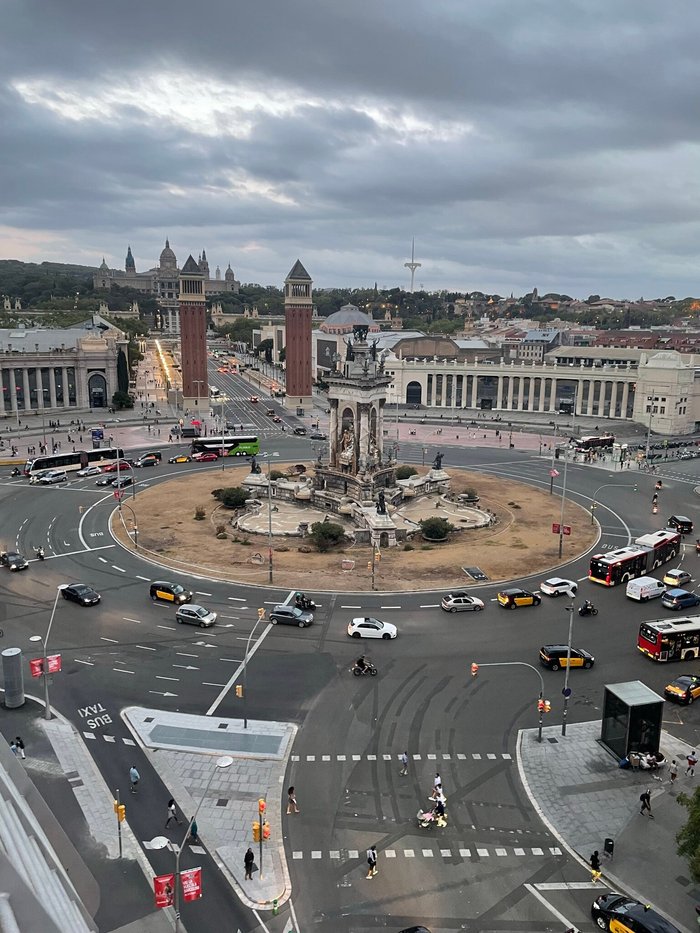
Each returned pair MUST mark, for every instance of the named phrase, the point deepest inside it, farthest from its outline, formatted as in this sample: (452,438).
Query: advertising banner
(36,665)
(191,881)
(164,890)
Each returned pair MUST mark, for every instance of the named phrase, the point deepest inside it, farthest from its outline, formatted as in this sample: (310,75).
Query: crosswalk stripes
(444,756)
(479,852)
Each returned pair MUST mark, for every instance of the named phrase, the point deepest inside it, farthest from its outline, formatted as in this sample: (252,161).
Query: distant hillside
(15,266)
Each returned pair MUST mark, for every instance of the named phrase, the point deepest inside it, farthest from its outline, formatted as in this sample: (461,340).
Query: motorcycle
(16,472)
(369,668)
(659,484)
(588,609)
(303,602)
(39,553)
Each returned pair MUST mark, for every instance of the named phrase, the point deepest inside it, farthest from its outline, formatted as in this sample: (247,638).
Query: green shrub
(326,535)
(408,547)
(276,474)
(405,471)
(435,529)
(232,497)
(200,513)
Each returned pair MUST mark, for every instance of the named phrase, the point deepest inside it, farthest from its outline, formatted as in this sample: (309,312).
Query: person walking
(134,778)
(692,761)
(172,814)
(371,862)
(248,860)
(404,764)
(595,866)
(645,799)
(13,748)
(194,833)
(673,771)
(292,805)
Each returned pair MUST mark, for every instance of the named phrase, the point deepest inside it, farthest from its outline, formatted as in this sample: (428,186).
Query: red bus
(594,441)
(670,639)
(647,553)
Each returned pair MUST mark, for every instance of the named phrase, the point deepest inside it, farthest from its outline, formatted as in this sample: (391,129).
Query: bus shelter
(632,715)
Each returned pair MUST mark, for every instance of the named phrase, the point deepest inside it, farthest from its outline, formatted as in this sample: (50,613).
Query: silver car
(196,615)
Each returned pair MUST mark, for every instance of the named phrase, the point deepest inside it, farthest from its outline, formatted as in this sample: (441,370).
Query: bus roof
(655,538)
(612,557)
(682,624)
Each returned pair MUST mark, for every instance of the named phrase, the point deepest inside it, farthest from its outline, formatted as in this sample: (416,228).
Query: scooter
(369,668)
(588,609)
(303,602)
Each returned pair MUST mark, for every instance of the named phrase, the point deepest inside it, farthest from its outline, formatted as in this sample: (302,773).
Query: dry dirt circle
(520,543)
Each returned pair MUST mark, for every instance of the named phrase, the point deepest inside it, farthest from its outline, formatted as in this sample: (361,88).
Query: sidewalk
(183,749)
(584,797)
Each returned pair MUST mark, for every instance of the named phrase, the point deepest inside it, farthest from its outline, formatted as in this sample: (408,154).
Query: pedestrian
(248,860)
(194,834)
(595,866)
(13,748)
(692,761)
(404,763)
(673,771)
(438,780)
(645,799)
(172,813)
(20,745)
(371,861)
(134,778)
(292,805)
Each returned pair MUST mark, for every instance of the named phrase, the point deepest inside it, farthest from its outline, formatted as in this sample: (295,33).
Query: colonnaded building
(642,386)
(163,282)
(58,369)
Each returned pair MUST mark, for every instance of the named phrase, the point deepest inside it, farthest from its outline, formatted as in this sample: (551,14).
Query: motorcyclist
(587,606)
(361,663)
(15,472)
(40,552)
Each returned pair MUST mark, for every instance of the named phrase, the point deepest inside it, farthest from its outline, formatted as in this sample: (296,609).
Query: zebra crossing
(455,854)
(436,756)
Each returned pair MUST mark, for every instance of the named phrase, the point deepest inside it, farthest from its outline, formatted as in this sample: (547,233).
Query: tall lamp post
(268,457)
(650,409)
(162,842)
(44,645)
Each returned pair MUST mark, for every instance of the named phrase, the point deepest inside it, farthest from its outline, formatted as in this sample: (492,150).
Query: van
(680,523)
(644,588)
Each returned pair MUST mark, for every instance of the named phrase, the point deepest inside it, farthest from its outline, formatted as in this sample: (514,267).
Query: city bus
(232,445)
(594,441)
(647,553)
(73,461)
(670,639)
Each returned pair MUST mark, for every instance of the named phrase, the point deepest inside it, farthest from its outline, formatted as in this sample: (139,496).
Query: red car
(205,456)
(112,467)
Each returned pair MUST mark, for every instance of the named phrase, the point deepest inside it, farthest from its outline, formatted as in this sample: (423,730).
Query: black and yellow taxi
(514,597)
(555,656)
(684,689)
(170,592)
(621,914)
(180,458)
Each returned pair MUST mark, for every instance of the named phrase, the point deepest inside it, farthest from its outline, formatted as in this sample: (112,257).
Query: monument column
(298,309)
(475,380)
(13,389)
(591,396)
(625,399)
(333,433)
(363,414)
(499,393)
(380,430)
(521,392)
(39,388)
(613,399)
(52,387)
(27,393)
(511,387)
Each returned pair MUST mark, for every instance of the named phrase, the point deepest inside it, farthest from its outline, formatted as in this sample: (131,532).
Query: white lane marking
(182,654)
(200,593)
(567,886)
(147,579)
(390,607)
(550,907)
(161,677)
(122,670)
(232,679)
(102,559)
(208,683)
(236,599)
(430,606)
(120,569)
(78,661)
(229,617)
(581,579)
(170,628)
(270,602)
(144,647)
(127,619)
(351,607)
(232,660)
(186,667)
(113,640)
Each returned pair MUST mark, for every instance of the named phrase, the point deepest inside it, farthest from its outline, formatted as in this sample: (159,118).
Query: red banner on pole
(556,527)
(164,890)
(53,663)
(566,530)
(191,881)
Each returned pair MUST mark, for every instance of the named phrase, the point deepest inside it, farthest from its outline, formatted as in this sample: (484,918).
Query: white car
(89,471)
(461,602)
(556,586)
(371,628)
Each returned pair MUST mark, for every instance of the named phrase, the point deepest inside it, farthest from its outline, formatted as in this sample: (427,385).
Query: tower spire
(413,265)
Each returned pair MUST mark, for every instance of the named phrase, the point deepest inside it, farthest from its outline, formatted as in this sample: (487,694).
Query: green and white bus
(230,445)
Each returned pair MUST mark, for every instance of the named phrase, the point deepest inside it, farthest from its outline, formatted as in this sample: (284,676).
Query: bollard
(275,908)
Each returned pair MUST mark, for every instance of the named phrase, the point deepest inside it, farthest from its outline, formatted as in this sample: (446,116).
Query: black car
(680,523)
(290,615)
(81,593)
(122,482)
(556,656)
(300,432)
(105,480)
(318,436)
(628,914)
(13,560)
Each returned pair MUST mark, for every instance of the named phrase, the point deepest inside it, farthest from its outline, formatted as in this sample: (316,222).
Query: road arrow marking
(186,667)
(161,694)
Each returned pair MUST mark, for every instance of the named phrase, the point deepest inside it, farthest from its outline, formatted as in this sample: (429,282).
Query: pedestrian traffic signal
(475,668)
(369,564)
(544,706)
(266,831)
(120,810)
(239,690)
(262,806)
(256,831)
(377,554)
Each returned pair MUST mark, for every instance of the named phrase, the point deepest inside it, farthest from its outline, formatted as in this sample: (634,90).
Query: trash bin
(609,848)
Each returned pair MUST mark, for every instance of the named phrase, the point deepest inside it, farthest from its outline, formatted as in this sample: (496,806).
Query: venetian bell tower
(298,309)
(193,338)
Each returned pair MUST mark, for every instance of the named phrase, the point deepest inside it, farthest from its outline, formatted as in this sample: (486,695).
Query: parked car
(461,602)
(555,656)
(290,615)
(514,597)
(371,628)
(81,593)
(196,615)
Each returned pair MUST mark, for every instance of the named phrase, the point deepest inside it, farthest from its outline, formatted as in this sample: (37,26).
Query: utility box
(632,715)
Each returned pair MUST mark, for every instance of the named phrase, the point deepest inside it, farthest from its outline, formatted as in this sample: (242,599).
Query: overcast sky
(541,143)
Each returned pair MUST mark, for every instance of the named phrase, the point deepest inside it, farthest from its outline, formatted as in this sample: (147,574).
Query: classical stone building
(55,370)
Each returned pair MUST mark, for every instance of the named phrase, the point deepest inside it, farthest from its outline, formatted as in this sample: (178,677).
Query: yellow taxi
(555,656)
(170,592)
(514,597)
(684,689)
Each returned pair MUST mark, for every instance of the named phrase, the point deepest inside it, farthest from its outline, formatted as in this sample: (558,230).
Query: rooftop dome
(167,257)
(344,320)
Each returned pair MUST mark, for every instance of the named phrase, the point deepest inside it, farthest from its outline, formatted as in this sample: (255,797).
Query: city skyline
(554,147)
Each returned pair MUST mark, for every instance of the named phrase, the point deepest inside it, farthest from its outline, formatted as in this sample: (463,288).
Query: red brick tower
(193,338)
(297,317)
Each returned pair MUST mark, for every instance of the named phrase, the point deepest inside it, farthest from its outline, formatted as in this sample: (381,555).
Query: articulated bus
(73,461)
(232,445)
(647,553)
(670,639)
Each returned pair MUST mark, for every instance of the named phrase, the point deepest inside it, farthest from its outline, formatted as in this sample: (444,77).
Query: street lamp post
(566,690)
(477,665)
(563,500)
(650,409)
(268,457)
(44,645)
(162,842)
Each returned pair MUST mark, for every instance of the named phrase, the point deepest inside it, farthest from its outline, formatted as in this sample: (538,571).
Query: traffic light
(120,810)
(239,690)
(474,668)
(262,806)
(256,831)
(377,554)
(544,706)
(369,564)
(266,831)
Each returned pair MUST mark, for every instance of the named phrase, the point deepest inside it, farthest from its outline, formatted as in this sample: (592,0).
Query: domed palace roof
(167,257)
(343,321)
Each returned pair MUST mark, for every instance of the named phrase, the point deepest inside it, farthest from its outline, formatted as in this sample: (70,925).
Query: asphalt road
(129,650)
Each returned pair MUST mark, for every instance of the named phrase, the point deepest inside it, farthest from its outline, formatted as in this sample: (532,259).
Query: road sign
(566,692)
(118,493)
(554,473)
(556,528)
(53,663)
(566,530)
